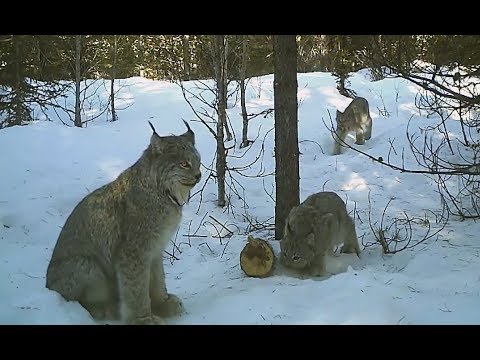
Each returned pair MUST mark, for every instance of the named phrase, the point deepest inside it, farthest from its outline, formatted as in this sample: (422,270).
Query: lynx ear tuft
(188,126)
(153,128)
(155,140)
(189,134)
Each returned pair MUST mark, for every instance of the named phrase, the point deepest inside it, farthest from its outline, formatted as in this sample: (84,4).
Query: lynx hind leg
(350,244)
(82,279)
(368,131)
(171,306)
(341,134)
(163,303)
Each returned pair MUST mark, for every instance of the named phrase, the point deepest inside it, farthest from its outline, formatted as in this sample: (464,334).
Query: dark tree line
(55,58)
(46,57)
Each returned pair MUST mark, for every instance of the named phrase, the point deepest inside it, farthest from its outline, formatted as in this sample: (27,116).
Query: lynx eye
(185,164)
(295,258)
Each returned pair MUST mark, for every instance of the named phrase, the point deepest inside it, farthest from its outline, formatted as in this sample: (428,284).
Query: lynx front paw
(147,320)
(318,270)
(170,307)
(320,273)
(102,313)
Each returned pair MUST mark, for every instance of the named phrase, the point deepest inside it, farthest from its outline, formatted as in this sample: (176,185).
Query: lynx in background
(356,118)
(313,230)
(109,254)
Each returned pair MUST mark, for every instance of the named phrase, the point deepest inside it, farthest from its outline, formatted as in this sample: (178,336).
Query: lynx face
(185,165)
(298,243)
(175,161)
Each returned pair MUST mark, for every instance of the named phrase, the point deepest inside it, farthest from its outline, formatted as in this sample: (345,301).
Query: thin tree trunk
(287,179)
(186,58)
(112,90)
(78,46)
(243,70)
(222,116)
(18,91)
(141,51)
(341,84)
(225,85)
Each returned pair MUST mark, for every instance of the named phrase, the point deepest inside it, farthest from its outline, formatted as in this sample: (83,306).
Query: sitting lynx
(313,230)
(356,118)
(109,254)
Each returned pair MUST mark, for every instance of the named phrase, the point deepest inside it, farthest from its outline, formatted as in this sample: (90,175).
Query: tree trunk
(186,58)
(225,85)
(140,55)
(114,67)
(243,70)
(287,179)
(341,84)
(78,46)
(222,116)
(18,89)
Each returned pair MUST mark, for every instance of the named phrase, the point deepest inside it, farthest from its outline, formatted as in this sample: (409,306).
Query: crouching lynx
(313,230)
(109,254)
(356,118)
